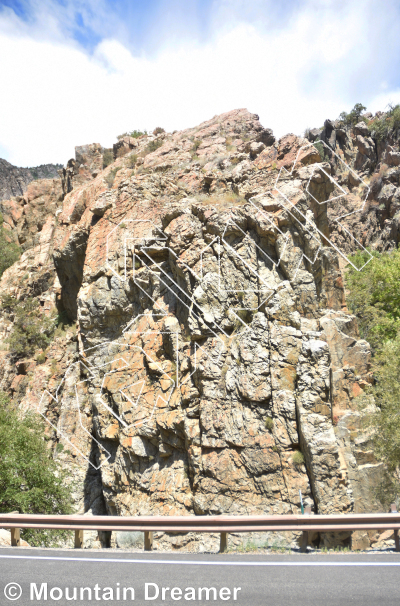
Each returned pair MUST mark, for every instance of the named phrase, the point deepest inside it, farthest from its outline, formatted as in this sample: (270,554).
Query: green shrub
(374,295)
(9,251)
(109,179)
(375,299)
(30,480)
(41,358)
(321,150)
(131,160)
(381,127)
(297,458)
(138,133)
(108,158)
(196,144)
(269,424)
(158,130)
(63,319)
(383,420)
(31,329)
(153,145)
(352,118)
(133,133)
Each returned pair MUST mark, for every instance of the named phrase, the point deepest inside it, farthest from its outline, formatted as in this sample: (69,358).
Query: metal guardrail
(221,524)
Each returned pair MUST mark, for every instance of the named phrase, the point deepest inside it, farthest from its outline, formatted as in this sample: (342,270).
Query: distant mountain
(14,180)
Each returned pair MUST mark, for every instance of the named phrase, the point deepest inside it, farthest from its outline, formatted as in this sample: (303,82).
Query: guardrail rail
(222,524)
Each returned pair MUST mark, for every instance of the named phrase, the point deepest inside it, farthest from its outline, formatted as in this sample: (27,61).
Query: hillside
(14,180)
(205,360)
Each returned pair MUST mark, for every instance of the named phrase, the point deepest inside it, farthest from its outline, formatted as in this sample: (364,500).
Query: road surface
(41,577)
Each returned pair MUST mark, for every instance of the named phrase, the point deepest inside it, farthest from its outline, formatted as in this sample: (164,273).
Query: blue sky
(79,71)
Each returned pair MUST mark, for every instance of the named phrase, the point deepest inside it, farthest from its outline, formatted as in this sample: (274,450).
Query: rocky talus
(211,363)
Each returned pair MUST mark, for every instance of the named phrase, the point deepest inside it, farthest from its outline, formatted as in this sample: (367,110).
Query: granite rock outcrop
(209,341)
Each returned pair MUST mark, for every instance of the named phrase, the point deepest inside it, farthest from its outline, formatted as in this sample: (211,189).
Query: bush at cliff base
(30,480)
(374,298)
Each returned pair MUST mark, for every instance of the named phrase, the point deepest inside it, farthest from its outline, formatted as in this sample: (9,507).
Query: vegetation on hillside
(390,121)
(133,133)
(30,480)
(375,296)
(31,329)
(375,299)
(153,145)
(379,128)
(9,251)
(108,158)
(353,116)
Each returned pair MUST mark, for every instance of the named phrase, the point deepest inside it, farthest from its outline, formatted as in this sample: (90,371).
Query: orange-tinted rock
(213,340)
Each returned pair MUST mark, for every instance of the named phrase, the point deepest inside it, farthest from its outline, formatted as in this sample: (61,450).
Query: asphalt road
(50,577)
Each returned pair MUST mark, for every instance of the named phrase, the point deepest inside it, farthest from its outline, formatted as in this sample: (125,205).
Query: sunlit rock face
(204,270)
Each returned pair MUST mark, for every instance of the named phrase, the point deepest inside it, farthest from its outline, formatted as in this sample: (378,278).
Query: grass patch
(196,145)
(41,358)
(131,161)
(298,458)
(109,179)
(269,424)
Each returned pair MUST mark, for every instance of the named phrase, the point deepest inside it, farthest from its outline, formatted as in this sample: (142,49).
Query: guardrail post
(15,537)
(78,539)
(393,509)
(304,538)
(223,544)
(148,540)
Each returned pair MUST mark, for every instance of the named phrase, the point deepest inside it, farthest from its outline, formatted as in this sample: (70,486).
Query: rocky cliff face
(14,180)
(213,362)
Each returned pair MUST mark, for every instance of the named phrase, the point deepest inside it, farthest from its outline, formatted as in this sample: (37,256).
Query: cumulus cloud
(294,72)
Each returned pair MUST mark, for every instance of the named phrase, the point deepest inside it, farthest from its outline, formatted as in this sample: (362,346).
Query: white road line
(201,563)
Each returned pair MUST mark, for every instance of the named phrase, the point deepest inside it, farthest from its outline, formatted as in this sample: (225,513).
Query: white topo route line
(262,289)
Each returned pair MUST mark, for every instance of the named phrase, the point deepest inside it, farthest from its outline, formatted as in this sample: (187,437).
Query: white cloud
(55,96)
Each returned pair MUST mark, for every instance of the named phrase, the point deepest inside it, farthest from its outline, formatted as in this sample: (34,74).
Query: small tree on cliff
(30,480)
(354,116)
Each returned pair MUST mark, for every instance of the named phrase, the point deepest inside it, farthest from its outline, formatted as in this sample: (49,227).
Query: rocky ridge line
(14,180)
